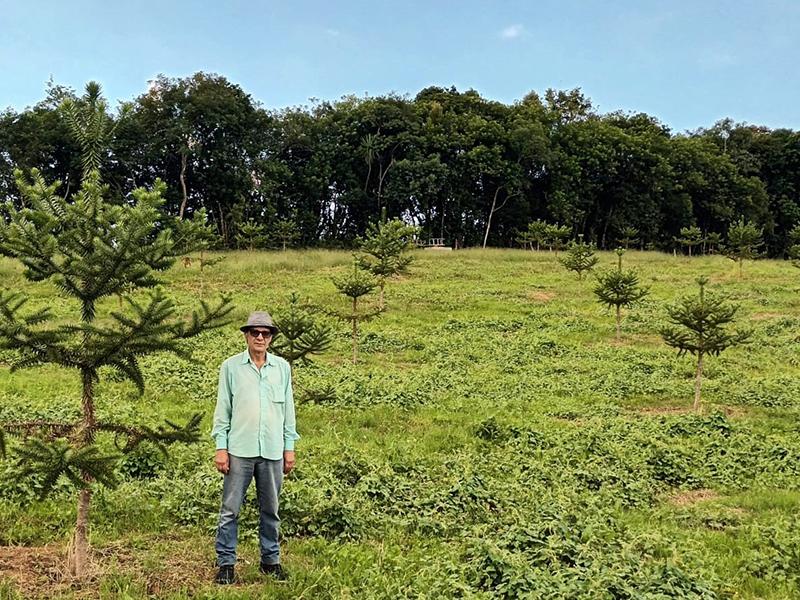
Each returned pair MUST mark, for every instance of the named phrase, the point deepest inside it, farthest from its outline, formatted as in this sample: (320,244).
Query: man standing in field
(254,431)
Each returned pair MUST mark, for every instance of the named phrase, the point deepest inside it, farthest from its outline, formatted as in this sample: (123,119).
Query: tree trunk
(87,405)
(381,176)
(369,172)
(698,379)
(223,228)
(79,550)
(355,332)
(619,310)
(185,197)
(380,297)
(741,262)
(489,220)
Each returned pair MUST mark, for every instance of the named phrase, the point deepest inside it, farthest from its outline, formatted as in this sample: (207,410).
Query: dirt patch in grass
(34,572)
(664,410)
(539,296)
(690,497)
(158,568)
(762,316)
(733,411)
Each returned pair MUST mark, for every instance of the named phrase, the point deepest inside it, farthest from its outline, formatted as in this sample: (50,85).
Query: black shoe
(225,575)
(276,571)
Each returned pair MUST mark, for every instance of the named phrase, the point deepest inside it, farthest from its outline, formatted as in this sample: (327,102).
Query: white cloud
(333,32)
(512,31)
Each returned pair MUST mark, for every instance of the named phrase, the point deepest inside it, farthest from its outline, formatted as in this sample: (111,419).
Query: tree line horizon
(459,166)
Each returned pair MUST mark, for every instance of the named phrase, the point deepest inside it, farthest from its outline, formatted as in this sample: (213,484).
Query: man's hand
(221,461)
(288,461)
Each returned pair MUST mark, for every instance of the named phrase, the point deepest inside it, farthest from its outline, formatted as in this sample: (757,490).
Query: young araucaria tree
(534,235)
(355,285)
(744,239)
(700,327)
(619,288)
(251,235)
(629,235)
(385,251)
(301,334)
(580,257)
(556,236)
(91,250)
(690,237)
(283,232)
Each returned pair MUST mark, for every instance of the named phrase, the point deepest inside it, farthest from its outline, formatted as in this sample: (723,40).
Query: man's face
(258,339)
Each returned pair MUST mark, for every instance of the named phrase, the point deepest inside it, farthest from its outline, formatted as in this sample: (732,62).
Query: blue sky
(687,63)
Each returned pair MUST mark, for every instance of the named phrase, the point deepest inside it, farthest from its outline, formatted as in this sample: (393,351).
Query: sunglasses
(257,333)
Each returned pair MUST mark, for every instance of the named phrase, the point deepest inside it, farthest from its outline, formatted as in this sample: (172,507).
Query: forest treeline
(453,163)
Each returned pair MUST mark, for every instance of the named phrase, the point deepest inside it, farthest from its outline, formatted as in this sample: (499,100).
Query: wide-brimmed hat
(260,319)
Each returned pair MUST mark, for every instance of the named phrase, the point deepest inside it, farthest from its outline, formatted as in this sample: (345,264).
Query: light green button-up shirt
(255,408)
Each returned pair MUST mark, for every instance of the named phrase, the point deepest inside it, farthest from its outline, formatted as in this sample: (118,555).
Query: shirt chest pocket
(275,383)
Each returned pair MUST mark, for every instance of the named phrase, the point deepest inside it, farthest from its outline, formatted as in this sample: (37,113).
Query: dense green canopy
(454,163)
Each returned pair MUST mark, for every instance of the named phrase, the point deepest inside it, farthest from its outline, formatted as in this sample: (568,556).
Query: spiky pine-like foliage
(59,458)
(301,334)
(744,240)
(385,251)
(284,232)
(556,236)
(251,235)
(619,288)
(355,285)
(690,237)
(91,126)
(580,257)
(794,245)
(534,235)
(700,327)
(629,235)
(714,241)
(91,249)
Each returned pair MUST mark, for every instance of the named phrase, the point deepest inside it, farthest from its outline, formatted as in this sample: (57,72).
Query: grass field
(494,442)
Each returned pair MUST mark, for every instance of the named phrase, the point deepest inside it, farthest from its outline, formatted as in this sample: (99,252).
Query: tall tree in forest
(203,136)
(91,250)
(699,326)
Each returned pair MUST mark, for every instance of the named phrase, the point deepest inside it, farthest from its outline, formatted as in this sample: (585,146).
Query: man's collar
(246,358)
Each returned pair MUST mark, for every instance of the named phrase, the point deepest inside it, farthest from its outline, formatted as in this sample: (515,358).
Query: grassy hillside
(494,441)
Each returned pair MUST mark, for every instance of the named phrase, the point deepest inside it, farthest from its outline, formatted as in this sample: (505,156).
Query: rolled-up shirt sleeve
(222,413)
(289,423)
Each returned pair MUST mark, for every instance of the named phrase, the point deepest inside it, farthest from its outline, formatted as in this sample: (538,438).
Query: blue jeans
(269,477)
